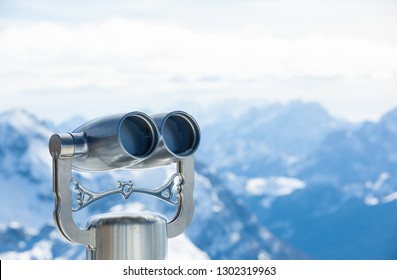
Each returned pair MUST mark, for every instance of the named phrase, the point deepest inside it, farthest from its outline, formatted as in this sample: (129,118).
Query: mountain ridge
(30,188)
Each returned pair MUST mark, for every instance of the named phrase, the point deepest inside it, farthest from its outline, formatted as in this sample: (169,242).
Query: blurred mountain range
(222,227)
(273,181)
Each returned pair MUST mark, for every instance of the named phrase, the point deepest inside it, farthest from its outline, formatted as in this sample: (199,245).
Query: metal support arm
(62,150)
(63,215)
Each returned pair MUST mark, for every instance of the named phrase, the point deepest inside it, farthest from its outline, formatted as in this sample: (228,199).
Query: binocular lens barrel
(117,141)
(134,140)
(180,134)
(136,136)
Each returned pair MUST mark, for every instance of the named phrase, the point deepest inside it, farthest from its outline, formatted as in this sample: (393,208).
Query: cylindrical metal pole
(127,236)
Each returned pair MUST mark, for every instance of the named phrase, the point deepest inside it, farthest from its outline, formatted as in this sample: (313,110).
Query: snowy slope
(24,170)
(241,235)
(361,162)
(347,209)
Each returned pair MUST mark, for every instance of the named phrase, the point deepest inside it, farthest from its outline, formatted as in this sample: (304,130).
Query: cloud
(121,52)
(264,56)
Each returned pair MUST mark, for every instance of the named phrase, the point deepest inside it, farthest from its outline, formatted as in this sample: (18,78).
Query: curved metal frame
(64,148)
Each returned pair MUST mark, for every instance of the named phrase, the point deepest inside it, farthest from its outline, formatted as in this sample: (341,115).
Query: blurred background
(296,101)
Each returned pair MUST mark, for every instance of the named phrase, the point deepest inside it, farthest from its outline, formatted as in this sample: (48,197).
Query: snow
(390,197)
(256,186)
(133,207)
(181,248)
(206,200)
(263,255)
(217,208)
(40,251)
(276,246)
(235,237)
(371,201)
(15,225)
(266,235)
(267,202)
(217,205)
(378,183)
(24,122)
(273,186)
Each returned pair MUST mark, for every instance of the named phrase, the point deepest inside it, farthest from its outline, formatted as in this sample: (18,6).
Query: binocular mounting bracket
(62,155)
(165,192)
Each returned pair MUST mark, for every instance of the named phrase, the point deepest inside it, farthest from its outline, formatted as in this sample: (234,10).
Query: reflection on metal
(85,197)
(128,236)
(129,141)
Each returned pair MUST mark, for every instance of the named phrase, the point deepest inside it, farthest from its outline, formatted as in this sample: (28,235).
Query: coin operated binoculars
(126,141)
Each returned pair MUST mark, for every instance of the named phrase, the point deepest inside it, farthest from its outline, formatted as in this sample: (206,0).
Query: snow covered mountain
(222,227)
(361,155)
(266,139)
(24,170)
(339,200)
(266,176)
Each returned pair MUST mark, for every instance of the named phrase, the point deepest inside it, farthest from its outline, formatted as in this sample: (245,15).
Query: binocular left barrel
(133,140)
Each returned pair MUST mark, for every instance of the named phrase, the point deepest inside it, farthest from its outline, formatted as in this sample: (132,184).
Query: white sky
(62,58)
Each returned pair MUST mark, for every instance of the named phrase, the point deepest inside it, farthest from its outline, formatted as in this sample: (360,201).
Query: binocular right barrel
(136,140)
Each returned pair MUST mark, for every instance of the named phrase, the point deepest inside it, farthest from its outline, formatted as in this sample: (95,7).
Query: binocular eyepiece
(133,140)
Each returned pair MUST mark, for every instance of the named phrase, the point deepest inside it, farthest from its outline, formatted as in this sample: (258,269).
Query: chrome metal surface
(127,236)
(117,141)
(132,141)
(67,145)
(61,145)
(179,138)
(62,172)
(186,207)
(165,192)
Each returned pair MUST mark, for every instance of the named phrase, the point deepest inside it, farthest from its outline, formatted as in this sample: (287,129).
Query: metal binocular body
(126,141)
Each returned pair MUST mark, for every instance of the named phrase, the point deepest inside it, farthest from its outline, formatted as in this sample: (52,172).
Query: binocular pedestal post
(141,236)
